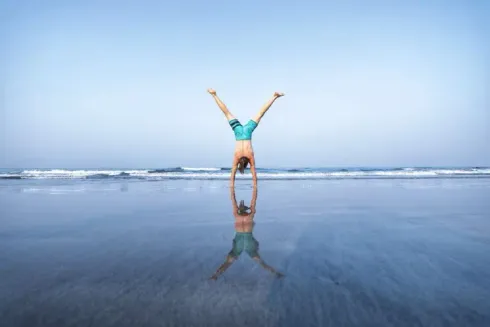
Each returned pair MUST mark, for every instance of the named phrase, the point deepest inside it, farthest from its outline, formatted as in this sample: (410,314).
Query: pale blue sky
(123,83)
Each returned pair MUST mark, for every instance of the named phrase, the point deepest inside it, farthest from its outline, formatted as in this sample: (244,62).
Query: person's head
(242,164)
(243,209)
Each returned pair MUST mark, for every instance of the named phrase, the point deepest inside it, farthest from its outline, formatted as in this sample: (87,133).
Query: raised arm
(254,200)
(234,167)
(221,105)
(266,106)
(233,200)
(253,171)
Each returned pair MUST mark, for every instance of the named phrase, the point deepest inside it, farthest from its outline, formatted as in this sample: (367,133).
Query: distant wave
(200,169)
(98,176)
(264,173)
(182,169)
(166,170)
(10,177)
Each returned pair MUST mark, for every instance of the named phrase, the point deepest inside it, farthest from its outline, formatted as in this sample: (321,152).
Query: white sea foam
(217,173)
(201,169)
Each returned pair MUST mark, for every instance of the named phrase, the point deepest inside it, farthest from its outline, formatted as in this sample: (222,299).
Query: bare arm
(254,200)
(253,171)
(254,175)
(266,106)
(233,172)
(233,200)
(221,105)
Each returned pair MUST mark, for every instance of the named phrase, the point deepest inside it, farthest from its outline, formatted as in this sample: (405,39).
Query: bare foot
(211,91)
(278,94)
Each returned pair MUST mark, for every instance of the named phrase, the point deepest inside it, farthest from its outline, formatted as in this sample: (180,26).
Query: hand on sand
(211,91)
(278,94)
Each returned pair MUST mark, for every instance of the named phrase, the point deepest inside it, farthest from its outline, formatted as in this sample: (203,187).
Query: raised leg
(228,262)
(266,106)
(221,105)
(267,267)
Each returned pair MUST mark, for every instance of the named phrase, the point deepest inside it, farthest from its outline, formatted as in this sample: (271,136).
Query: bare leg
(267,106)
(267,267)
(228,262)
(221,105)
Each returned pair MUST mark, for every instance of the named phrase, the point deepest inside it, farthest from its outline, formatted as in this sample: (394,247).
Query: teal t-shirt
(243,132)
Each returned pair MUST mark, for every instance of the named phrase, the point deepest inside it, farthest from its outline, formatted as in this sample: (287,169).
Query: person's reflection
(244,239)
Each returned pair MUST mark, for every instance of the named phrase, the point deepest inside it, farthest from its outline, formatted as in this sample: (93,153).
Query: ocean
(327,247)
(265,173)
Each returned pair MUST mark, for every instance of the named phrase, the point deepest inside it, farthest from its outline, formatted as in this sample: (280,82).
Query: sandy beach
(353,253)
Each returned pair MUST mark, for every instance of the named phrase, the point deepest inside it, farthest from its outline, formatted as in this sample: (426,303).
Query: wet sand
(353,253)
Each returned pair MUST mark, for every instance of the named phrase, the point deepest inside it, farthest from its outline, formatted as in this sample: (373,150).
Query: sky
(99,84)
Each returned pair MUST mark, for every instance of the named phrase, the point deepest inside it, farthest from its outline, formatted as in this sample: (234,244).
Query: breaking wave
(264,173)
